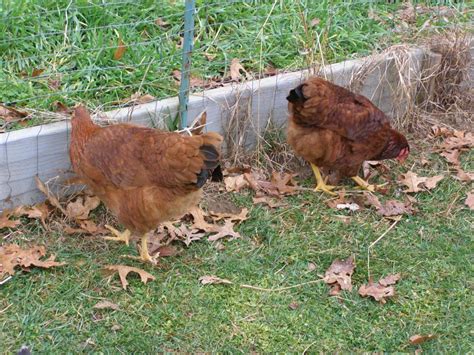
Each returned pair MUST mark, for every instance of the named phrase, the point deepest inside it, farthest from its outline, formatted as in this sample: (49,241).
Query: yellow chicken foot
(144,254)
(321,185)
(364,185)
(119,236)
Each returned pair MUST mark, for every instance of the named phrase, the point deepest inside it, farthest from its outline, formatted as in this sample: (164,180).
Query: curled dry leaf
(11,255)
(469,202)
(420,339)
(106,304)
(211,279)
(80,208)
(459,140)
(464,176)
(381,290)
(124,270)
(51,198)
(235,183)
(40,211)
(235,68)
(339,274)
(452,156)
(6,222)
(389,208)
(413,182)
(10,114)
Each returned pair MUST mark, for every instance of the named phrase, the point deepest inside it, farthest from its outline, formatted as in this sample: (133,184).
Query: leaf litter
(338,275)
(381,290)
(124,270)
(12,256)
(417,183)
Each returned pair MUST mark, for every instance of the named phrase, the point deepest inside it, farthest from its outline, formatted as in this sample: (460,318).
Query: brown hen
(144,176)
(337,130)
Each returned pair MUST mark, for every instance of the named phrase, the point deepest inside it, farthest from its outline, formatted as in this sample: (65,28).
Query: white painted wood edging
(43,150)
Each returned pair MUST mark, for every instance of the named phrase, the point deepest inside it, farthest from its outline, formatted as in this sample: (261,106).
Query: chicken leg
(119,236)
(364,185)
(321,185)
(144,254)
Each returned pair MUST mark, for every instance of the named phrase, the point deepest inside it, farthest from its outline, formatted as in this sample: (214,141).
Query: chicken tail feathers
(210,150)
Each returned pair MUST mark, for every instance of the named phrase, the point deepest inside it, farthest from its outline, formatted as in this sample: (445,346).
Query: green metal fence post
(186,63)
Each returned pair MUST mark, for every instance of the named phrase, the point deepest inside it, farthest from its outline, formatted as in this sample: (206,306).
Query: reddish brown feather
(144,176)
(336,129)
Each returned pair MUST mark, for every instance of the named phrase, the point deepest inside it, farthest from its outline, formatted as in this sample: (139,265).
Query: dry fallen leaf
(227,230)
(338,275)
(80,208)
(211,279)
(5,222)
(123,271)
(199,123)
(413,181)
(120,51)
(11,255)
(105,304)
(390,279)
(389,208)
(160,22)
(469,202)
(235,68)
(199,222)
(464,176)
(235,183)
(51,198)
(10,114)
(452,156)
(419,339)
(239,217)
(460,140)
(40,211)
(381,290)
(195,81)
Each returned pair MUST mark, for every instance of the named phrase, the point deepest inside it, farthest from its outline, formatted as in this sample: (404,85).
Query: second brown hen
(337,130)
(144,176)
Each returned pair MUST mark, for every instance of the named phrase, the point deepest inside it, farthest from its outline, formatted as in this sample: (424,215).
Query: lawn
(64,51)
(52,310)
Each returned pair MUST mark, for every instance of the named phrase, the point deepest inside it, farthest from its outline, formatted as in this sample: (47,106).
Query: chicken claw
(321,184)
(119,236)
(364,185)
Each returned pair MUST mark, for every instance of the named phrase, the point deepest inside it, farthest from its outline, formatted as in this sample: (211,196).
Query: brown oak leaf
(339,274)
(124,270)
(381,290)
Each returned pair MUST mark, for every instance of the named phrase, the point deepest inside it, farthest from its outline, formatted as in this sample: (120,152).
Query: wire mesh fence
(111,54)
(102,53)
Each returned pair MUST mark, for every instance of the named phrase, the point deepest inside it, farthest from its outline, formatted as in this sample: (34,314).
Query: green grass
(51,310)
(74,43)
